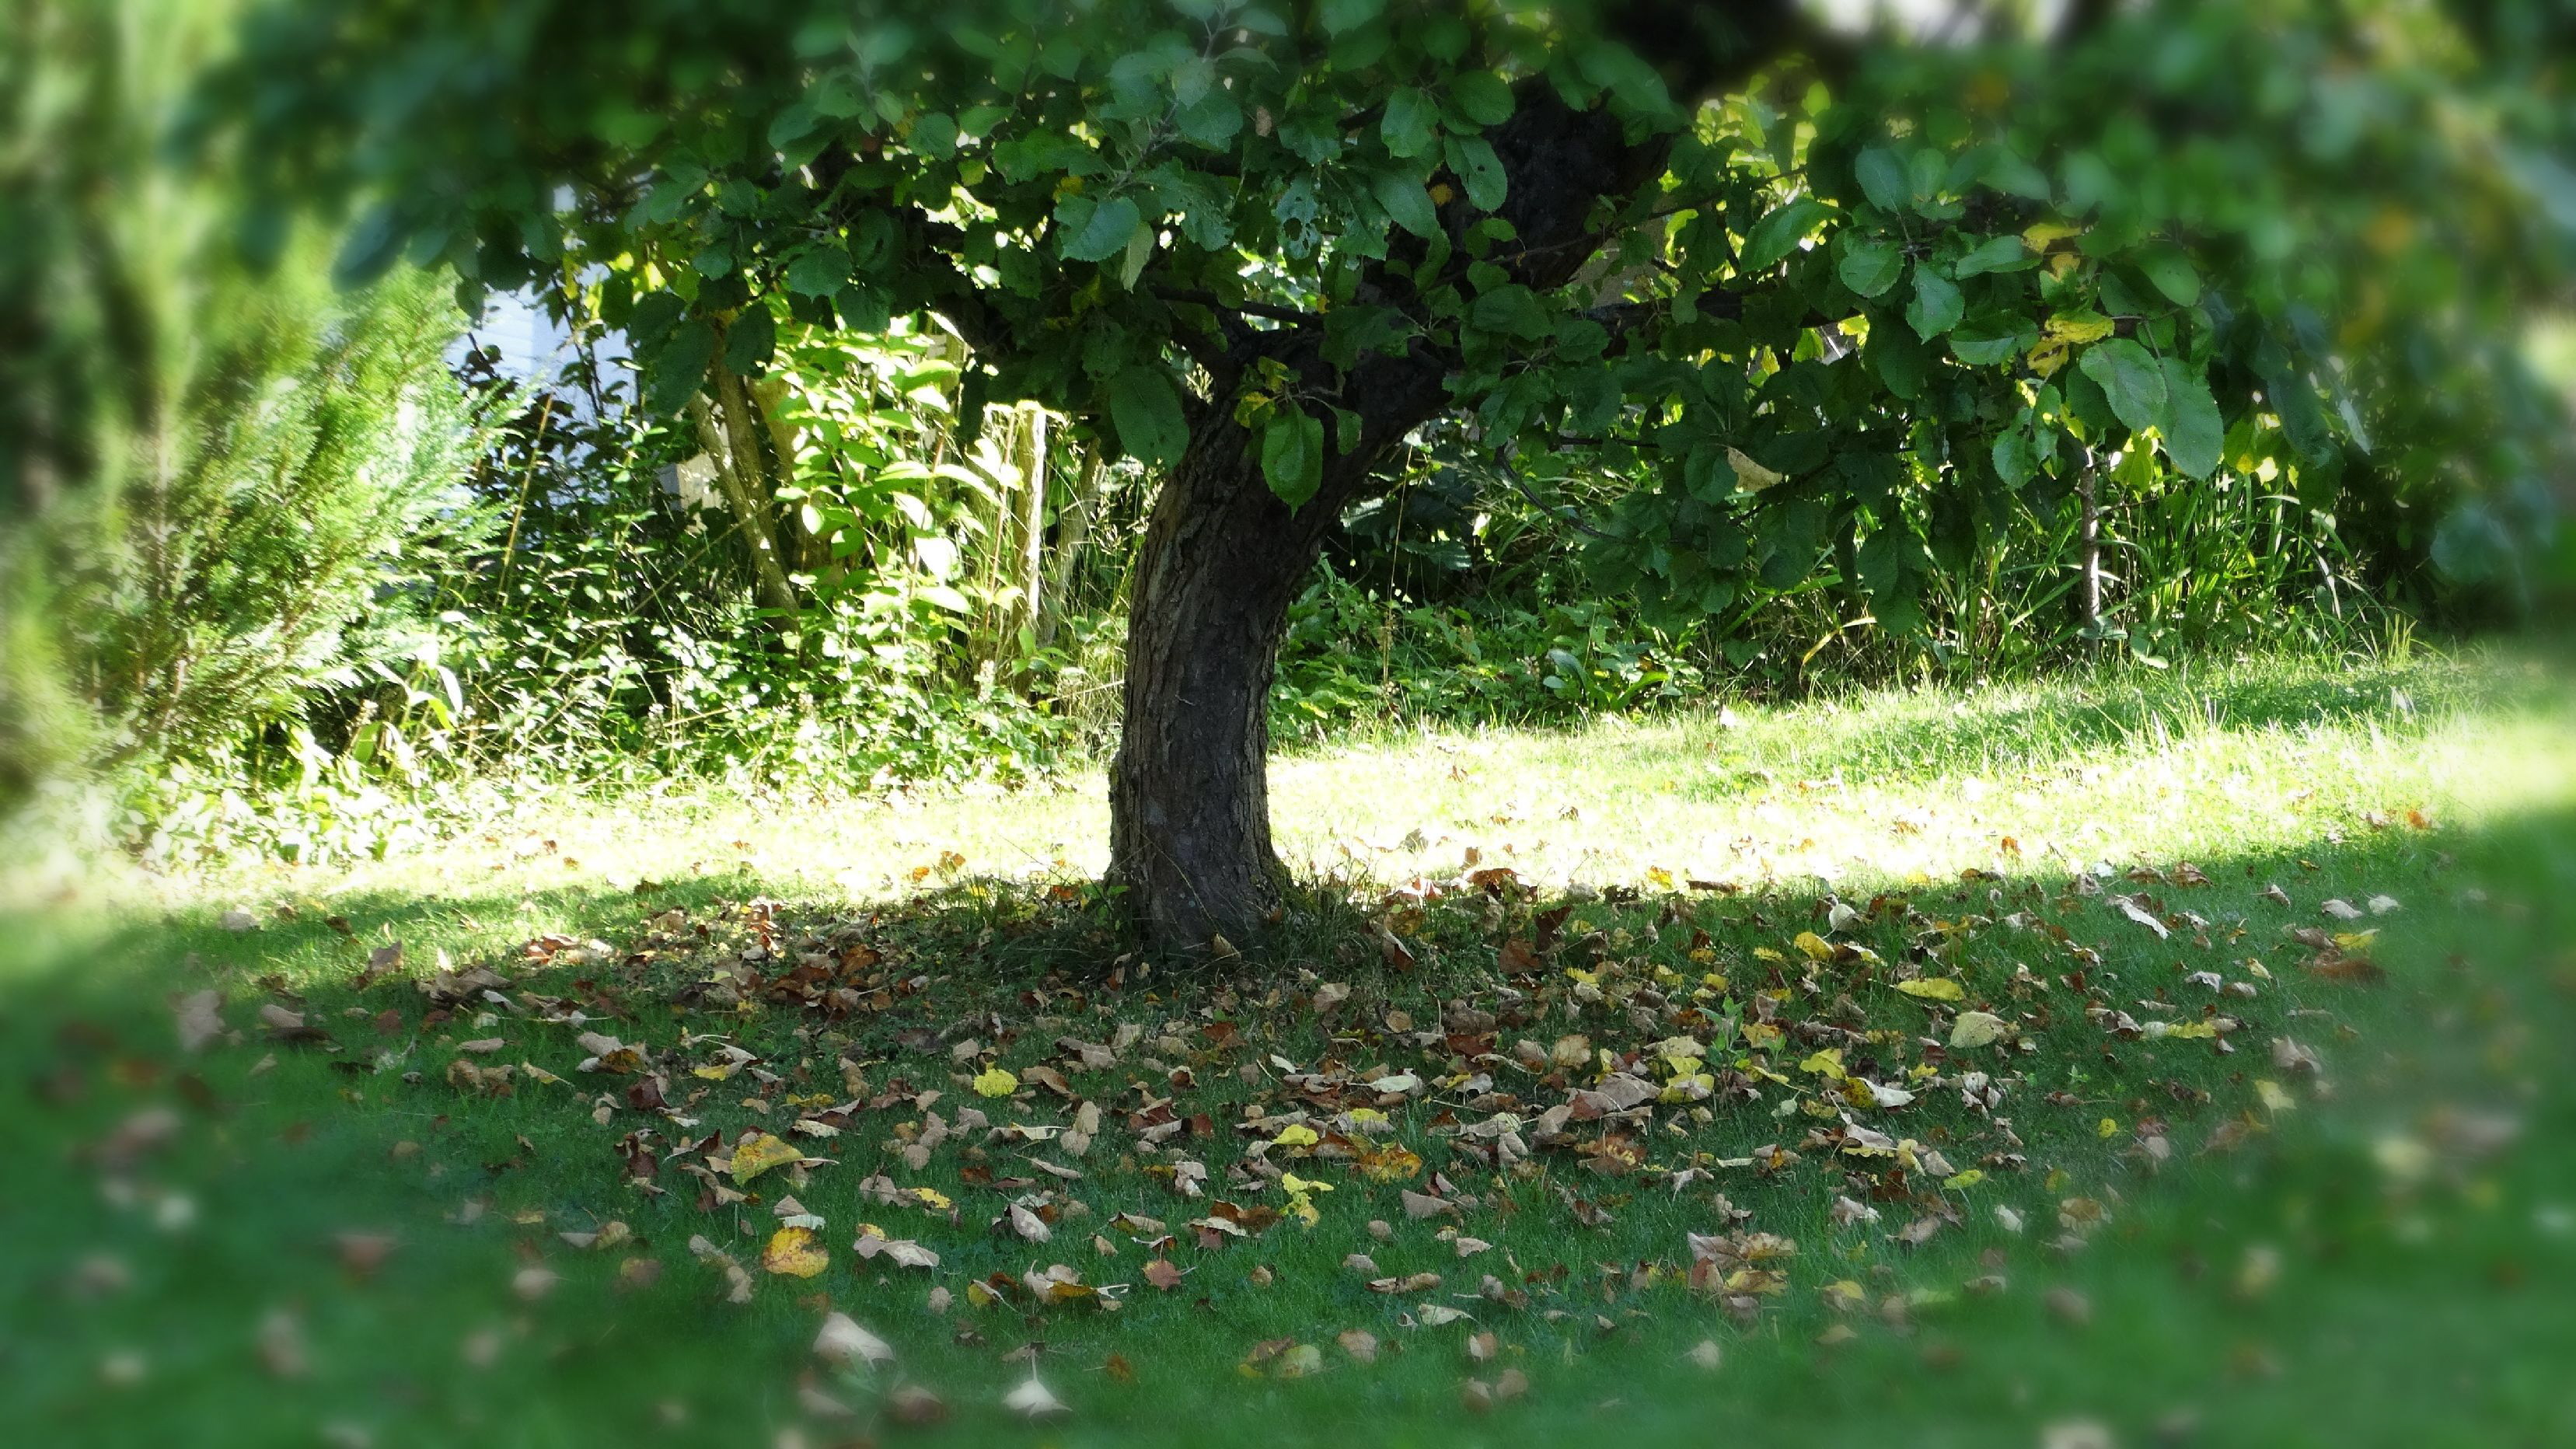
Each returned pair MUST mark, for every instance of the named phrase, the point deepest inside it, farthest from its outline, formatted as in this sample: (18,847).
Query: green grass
(2372,1259)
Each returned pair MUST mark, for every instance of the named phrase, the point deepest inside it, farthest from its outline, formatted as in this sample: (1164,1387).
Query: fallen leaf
(795,1253)
(1032,1400)
(2130,908)
(758,1152)
(1975,1029)
(903,1252)
(843,1341)
(915,1405)
(198,1019)
(1933,988)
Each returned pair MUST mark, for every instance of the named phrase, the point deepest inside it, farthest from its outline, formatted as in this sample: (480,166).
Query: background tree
(207,470)
(1816,299)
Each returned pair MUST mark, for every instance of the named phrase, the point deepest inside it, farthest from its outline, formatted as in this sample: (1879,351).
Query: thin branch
(1196,297)
(1568,518)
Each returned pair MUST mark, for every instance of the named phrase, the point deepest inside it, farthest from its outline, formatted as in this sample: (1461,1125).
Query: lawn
(2130,1059)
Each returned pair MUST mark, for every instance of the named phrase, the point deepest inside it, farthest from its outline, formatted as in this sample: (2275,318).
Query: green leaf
(653,317)
(1482,97)
(1100,233)
(1882,178)
(1474,160)
(1292,454)
(1900,359)
(1936,307)
(1778,234)
(1147,411)
(2194,436)
(2294,399)
(2171,271)
(2130,378)
(1140,250)
(2085,404)
(819,270)
(371,248)
(1514,309)
(1411,123)
(1406,203)
(2010,174)
(1991,255)
(1340,16)
(1882,559)
(681,365)
(864,310)
(2015,457)
(750,340)
(1870,266)
(1991,339)
(1212,120)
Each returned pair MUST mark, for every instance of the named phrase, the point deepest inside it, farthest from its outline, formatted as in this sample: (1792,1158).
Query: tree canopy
(1773,275)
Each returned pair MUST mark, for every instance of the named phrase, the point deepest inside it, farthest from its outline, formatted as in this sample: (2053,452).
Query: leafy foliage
(1947,273)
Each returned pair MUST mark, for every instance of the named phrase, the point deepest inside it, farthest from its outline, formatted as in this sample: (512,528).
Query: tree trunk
(1032,531)
(1189,797)
(723,449)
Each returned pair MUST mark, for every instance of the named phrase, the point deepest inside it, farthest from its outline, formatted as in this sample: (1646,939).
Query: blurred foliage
(215,467)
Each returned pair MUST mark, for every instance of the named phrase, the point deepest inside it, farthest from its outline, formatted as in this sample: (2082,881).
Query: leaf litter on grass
(1513,1081)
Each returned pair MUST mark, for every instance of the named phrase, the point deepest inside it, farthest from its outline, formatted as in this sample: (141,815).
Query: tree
(1776,278)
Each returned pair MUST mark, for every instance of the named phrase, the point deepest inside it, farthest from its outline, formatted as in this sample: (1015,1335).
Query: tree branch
(1197,297)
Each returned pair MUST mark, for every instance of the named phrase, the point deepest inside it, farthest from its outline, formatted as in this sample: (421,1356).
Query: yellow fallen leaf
(760,1152)
(1933,988)
(995,1082)
(1295,1135)
(1976,1029)
(1388,1164)
(1814,947)
(795,1252)
(1828,1063)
